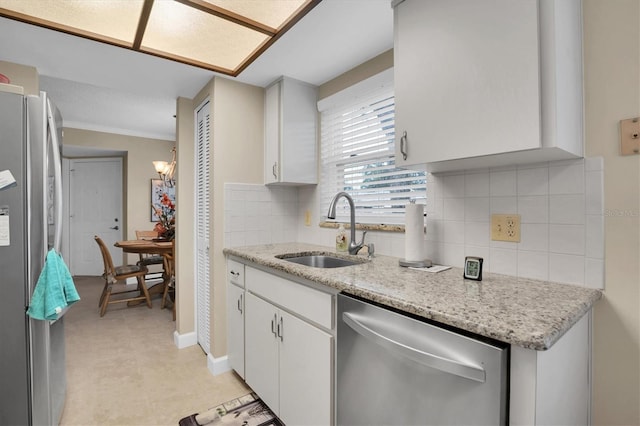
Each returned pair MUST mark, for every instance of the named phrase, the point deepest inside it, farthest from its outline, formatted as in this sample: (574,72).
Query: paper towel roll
(414,245)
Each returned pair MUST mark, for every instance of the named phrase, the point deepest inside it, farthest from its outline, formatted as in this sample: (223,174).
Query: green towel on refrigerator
(54,290)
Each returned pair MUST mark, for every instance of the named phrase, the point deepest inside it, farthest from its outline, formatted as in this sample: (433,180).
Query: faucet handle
(371,250)
(364,233)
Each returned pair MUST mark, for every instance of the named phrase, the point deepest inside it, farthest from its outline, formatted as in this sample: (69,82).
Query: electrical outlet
(505,227)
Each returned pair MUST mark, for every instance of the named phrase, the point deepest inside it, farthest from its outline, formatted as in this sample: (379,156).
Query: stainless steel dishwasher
(396,370)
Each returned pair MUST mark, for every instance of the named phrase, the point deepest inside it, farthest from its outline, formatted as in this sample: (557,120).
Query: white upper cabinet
(290,151)
(487,83)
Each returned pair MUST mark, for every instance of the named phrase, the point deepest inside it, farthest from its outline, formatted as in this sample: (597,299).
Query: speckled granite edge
(529,313)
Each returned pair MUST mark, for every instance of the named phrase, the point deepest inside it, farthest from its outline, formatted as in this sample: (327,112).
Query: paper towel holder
(425,263)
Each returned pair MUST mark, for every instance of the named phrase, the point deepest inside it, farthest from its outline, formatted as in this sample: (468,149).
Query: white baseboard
(218,365)
(185,340)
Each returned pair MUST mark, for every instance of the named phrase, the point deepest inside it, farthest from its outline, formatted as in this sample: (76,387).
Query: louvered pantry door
(202,225)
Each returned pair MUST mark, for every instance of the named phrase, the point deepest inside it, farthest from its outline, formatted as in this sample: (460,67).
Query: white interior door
(203,208)
(95,201)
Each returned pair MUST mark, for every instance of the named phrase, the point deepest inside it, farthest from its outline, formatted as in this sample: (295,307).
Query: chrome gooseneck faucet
(353,246)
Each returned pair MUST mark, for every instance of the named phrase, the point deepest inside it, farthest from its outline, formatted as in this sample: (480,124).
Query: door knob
(115,227)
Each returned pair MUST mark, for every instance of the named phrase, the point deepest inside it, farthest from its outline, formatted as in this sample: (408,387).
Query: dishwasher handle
(425,358)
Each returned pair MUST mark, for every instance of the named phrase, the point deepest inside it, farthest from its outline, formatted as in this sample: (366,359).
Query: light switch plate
(505,227)
(630,136)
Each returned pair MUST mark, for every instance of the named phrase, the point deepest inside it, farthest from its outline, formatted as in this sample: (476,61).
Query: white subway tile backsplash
(454,232)
(256,214)
(503,183)
(435,230)
(594,273)
(567,239)
(434,208)
(476,184)
(567,179)
(534,237)
(594,181)
(534,181)
(594,236)
(533,264)
(453,186)
(560,204)
(534,209)
(504,261)
(476,234)
(592,164)
(565,268)
(476,209)
(567,209)
(453,209)
(503,205)
(453,254)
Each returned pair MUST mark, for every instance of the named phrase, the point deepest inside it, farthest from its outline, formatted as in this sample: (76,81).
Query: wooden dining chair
(116,276)
(170,278)
(146,258)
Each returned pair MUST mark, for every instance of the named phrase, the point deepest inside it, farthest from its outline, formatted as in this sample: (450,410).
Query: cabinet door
(466,78)
(305,373)
(298,149)
(261,350)
(272,124)
(235,328)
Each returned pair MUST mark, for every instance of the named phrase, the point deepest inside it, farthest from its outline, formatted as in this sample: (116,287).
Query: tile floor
(124,369)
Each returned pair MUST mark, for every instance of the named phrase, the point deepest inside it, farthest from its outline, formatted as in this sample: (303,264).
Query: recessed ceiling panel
(111,20)
(219,35)
(188,33)
(273,13)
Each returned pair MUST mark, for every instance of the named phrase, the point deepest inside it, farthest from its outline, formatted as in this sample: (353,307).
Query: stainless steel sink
(319,260)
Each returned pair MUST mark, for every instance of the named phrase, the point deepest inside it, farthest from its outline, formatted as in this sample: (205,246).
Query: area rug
(248,410)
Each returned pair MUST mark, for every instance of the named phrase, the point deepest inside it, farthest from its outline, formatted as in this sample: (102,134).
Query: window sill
(364,226)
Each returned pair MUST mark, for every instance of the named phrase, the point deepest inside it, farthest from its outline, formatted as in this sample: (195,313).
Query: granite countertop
(529,313)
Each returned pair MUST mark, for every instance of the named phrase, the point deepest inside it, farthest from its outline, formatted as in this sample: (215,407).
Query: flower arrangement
(166,212)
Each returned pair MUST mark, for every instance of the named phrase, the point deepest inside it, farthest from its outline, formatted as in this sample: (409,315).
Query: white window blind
(358,157)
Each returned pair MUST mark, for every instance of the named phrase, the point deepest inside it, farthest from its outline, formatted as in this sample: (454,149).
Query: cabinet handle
(403,145)
(273,324)
(274,170)
(240,303)
(280,330)
(234,273)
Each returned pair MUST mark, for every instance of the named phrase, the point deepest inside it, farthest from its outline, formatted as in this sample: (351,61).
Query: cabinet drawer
(235,272)
(298,298)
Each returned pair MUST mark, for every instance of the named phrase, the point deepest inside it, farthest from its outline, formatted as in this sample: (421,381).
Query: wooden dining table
(150,247)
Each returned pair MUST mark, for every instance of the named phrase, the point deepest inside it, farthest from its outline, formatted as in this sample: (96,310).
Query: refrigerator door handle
(57,171)
(425,358)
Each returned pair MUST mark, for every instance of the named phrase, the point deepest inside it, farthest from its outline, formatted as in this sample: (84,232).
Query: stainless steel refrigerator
(32,356)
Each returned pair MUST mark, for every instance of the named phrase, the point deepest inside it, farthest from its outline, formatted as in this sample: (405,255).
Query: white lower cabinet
(288,355)
(235,316)
(305,373)
(235,328)
(262,350)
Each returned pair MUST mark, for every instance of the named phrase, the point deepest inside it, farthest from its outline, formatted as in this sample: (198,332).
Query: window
(358,157)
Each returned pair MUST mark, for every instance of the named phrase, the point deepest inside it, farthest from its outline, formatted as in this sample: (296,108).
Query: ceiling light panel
(184,32)
(114,21)
(273,13)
